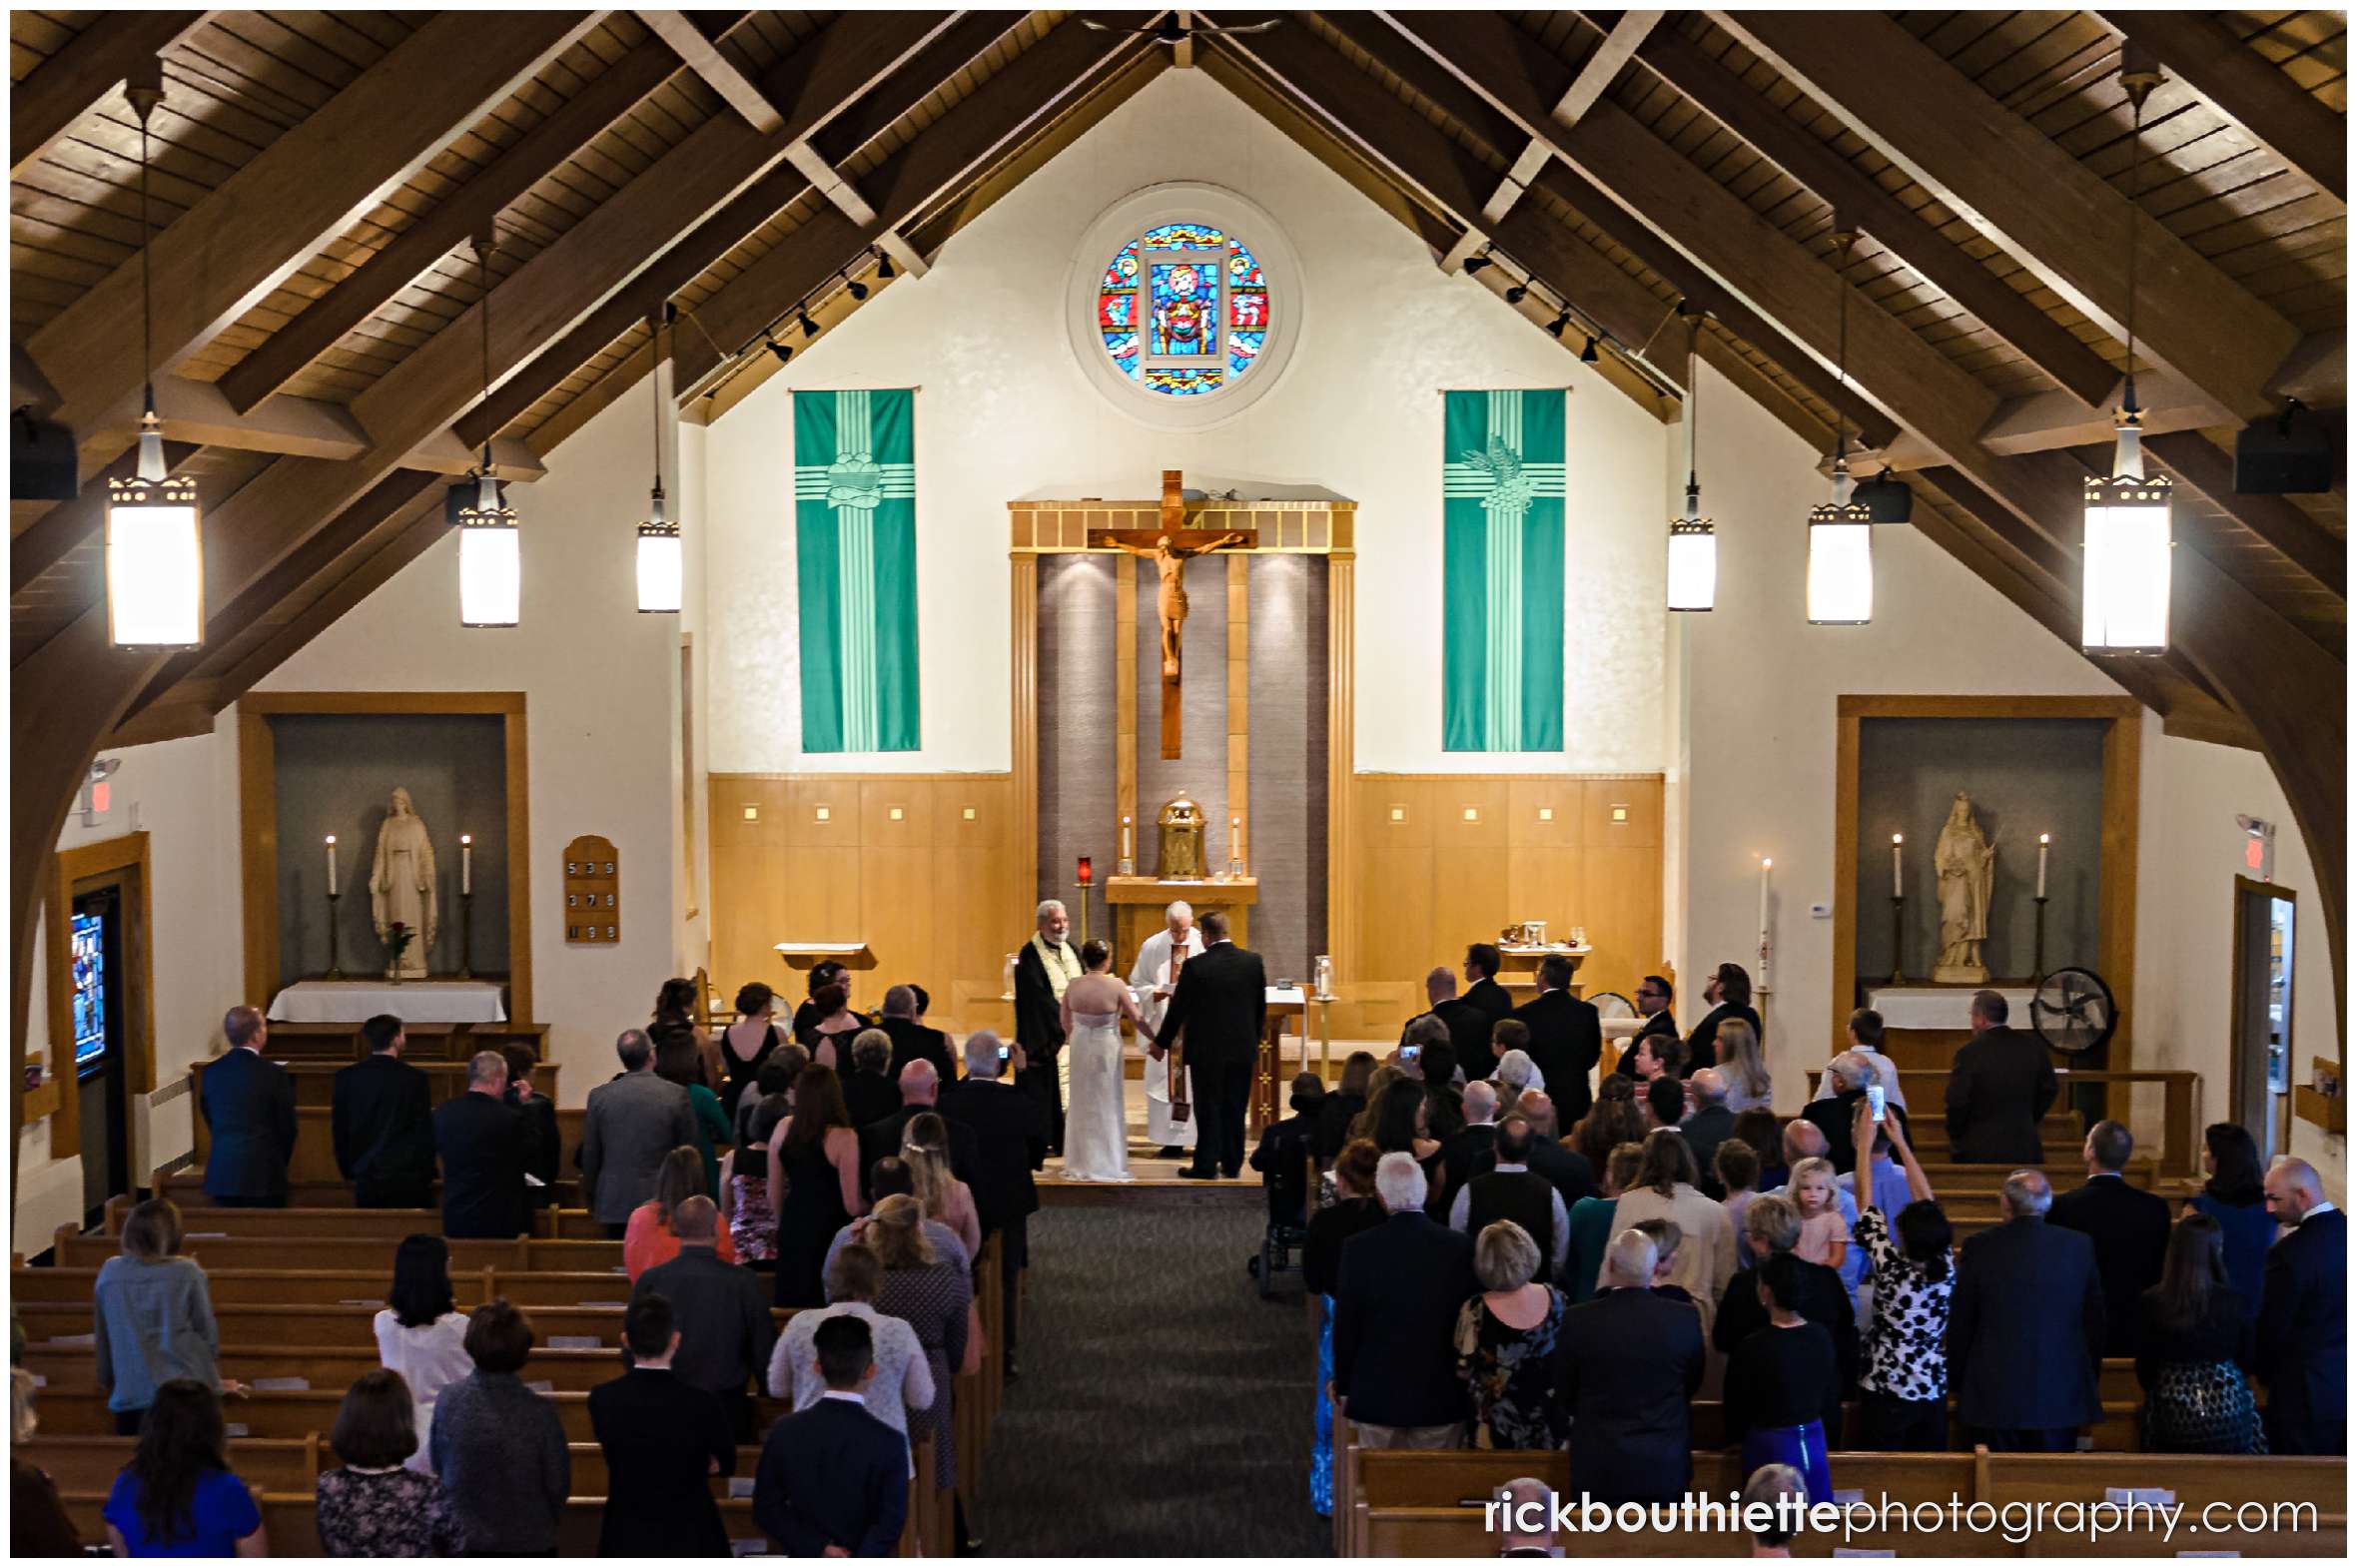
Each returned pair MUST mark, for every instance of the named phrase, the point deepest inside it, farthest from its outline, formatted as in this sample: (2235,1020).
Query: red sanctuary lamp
(1083,877)
(1084,873)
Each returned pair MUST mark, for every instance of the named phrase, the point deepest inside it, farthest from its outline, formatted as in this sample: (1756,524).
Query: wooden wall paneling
(1845,911)
(895,873)
(1469,857)
(746,879)
(1622,914)
(1394,874)
(257,852)
(1342,923)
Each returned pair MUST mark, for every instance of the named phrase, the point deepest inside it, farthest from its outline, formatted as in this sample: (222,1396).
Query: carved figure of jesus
(1171,603)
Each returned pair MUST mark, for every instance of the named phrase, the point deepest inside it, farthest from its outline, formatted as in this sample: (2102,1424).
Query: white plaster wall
(1003,411)
(183,794)
(600,684)
(1758,772)
(2193,850)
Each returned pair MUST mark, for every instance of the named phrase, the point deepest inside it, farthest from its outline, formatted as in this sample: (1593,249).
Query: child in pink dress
(1824,1237)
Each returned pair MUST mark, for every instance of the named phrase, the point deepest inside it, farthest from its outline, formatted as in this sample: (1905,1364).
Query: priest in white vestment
(1153,978)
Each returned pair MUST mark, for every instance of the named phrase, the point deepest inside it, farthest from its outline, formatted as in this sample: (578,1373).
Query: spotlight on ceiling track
(803,321)
(1588,352)
(783,353)
(1474,263)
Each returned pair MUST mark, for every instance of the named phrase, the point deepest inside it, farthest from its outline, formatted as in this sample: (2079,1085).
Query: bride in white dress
(1096,1120)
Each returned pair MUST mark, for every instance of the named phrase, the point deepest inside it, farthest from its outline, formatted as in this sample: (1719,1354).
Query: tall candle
(1236,839)
(1763,865)
(1897,867)
(1126,852)
(465,863)
(330,865)
(2041,865)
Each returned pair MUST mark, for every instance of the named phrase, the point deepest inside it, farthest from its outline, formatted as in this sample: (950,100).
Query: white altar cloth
(413,1001)
(1941,1007)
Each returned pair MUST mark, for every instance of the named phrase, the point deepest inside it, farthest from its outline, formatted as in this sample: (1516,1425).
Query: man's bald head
(1440,984)
(1481,1103)
(1710,1088)
(2028,1195)
(982,1055)
(1803,1140)
(2294,1188)
(245,1026)
(1535,1107)
(918,1083)
(1631,1259)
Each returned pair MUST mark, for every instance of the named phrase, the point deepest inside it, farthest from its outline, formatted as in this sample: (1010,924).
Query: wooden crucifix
(1169,547)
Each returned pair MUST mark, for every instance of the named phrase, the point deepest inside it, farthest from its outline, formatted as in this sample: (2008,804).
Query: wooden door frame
(257,818)
(2244,886)
(86,863)
(2115,895)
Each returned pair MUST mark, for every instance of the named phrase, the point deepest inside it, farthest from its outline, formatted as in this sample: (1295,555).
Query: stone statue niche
(401,889)
(1967,866)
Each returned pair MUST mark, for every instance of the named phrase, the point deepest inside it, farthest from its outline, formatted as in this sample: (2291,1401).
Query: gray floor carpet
(1165,1408)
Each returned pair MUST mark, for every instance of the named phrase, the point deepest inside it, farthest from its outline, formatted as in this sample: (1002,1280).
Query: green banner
(1503,579)
(855,530)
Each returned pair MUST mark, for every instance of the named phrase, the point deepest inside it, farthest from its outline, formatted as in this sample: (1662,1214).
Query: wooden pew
(365,1258)
(307,1323)
(336,1366)
(314,1081)
(89,1464)
(2195,1479)
(291,1523)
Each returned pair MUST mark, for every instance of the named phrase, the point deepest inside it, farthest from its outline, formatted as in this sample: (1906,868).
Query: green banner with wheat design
(855,530)
(1502,572)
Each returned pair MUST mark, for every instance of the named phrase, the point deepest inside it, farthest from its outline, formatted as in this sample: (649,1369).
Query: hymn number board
(592,892)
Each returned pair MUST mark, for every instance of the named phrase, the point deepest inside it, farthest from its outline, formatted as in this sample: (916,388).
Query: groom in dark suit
(1221,1004)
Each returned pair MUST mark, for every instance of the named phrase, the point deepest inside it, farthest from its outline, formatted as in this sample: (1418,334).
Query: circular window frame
(1124,220)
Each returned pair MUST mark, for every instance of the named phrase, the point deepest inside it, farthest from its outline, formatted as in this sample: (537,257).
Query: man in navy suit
(833,1480)
(1627,1371)
(2129,1226)
(2025,1327)
(248,1105)
(663,1441)
(2303,1331)
(1566,1038)
(1396,1300)
(383,1123)
(1220,1006)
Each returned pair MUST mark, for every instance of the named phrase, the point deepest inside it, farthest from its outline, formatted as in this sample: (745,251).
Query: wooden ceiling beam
(458,218)
(1861,199)
(702,55)
(1452,180)
(2289,531)
(929,169)
(91,67)
(2246,88)
(1744,257)
(197,413)
(1604,62)
(907,80)
(235,244)
(2058,216)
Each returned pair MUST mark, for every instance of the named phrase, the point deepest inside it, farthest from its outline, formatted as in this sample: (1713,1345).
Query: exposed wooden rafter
(2246,89)
(684,36)
(270,217)
(94,64)
(2058,217)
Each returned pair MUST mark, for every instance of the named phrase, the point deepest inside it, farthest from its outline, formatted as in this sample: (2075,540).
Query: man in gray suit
(633,1122)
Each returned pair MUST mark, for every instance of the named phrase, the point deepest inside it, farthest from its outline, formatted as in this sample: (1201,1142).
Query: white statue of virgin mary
(401,888)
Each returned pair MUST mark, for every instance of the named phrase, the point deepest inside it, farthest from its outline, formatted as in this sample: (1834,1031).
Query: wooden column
(1341,712)
(1239,701)
(1024,575)
(1124,707)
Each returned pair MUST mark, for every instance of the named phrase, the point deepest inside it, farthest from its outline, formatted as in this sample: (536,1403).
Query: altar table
(413,1001)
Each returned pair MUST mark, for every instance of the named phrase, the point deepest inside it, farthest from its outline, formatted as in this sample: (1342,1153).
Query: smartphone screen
(1007,1051)
(1874,1100)
(1410,1052)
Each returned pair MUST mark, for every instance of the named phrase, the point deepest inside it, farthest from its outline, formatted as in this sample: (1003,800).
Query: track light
(1560,325)
(783,353)
(884,272)
(803,321)
(859,291)
(1588,353)
(1517,294)
(1474,263)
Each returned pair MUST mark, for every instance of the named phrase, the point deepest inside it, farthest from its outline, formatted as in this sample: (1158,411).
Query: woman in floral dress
(1505,1343)
(1903,1390)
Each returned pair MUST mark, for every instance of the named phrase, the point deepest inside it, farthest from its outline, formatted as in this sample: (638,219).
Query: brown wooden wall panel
(920,867)
(1568,849)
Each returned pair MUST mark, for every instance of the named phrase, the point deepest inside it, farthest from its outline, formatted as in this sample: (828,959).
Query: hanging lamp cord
(147,235)
(655,372)
(1693,402)
(2137,96)
(482,264)
(1844,238)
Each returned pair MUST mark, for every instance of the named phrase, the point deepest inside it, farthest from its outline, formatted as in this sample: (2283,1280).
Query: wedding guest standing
(375,1504)
(177,1496)
(1903,1387)
(2235,1197)
(2303,1348)
(498,1446)
(1630,1363)
(747,1043)
(1506,1342)
(1355,1210)
(421,1335)
(2193,1347)
(381,1122)
(813,1185)
(1780,1379)
(662,1438)
(1729,992)
(153,1317)
(247,1103)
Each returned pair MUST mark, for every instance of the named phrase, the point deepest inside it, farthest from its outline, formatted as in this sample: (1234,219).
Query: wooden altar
(1137,905)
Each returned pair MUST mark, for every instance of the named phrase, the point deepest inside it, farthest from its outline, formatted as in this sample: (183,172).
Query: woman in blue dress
(1353,1209)
(2233,1197)
(1780,1380)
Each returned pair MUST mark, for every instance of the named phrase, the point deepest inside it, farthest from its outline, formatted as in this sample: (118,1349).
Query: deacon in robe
(1043,968)
(1151,978)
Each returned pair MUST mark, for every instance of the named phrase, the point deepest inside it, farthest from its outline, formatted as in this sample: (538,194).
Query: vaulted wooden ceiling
(318,179)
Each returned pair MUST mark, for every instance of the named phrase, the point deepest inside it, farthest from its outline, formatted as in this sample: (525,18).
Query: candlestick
(466,864)
(1898,939)
(2037,950)
(1897,867)
(465,919)
(1081,881)
(1235,846)
(330,865)
(334,972)
(1008,995)
(2043,840)
(1765,865)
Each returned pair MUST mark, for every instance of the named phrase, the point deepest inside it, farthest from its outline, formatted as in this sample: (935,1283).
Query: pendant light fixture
(490,551)
(154,545)
(1693,544)
(1842,531)
(660,570)
(2125,588)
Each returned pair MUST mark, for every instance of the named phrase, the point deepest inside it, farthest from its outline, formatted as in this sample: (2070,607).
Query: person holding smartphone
(1849,1076)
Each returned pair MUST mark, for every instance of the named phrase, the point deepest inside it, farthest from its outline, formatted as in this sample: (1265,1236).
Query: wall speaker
(1885,496)
(2291,454)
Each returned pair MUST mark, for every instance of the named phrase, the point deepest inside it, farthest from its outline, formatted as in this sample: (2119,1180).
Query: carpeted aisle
(1164,1408)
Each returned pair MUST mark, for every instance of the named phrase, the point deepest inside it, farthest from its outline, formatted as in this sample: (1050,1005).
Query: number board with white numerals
(592,891)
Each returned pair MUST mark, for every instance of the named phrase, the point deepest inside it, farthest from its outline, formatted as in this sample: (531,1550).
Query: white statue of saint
(401,888)
(1966,864)
(1153,978)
